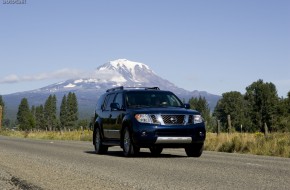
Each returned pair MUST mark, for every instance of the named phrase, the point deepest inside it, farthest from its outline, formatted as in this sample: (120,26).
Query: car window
(152,99)
(100,102)
(173,100)
(119,100)
(109,99)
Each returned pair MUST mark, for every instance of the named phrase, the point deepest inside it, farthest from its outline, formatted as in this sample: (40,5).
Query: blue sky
(214,46)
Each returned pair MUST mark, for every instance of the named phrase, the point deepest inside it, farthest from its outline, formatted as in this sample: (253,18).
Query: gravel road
(44,164)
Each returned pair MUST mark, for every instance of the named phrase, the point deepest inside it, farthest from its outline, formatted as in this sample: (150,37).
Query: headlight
(197,119)
(143,118)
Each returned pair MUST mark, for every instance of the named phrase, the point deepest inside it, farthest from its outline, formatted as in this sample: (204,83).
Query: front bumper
(148,135)
(173,140)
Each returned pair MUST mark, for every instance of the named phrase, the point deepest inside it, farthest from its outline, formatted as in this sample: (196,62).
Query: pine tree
(39,117)
(33,118)
(47,110)
(24,116)
(63,115)
(200,104)
(32,110)
(54,110)
(72,110)
(50,119)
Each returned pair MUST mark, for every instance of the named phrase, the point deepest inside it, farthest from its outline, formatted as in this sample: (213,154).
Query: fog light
(201,134)
(143,133)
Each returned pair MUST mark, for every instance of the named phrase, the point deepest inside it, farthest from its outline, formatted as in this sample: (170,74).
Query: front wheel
(128,147)
(99,147)
(194,150)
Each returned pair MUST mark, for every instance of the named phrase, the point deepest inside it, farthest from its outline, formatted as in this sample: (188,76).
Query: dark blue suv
(135,118)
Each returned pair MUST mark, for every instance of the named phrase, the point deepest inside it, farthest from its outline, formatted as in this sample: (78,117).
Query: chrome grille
(173,119)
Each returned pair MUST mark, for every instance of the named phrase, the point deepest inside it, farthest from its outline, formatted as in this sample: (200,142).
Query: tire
(99,147)
(128,147)
(155,151)
(194,150)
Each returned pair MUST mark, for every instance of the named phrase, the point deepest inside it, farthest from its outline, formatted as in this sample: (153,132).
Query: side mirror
(115,106)
(187,106)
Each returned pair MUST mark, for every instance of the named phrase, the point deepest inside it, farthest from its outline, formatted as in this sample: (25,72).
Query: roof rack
(122,88)
(152,88)
(116,88)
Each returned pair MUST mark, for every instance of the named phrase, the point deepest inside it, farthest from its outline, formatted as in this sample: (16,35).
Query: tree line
(45,117)
(257,110)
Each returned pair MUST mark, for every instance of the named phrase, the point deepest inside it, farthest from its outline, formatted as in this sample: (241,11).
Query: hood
(165,110)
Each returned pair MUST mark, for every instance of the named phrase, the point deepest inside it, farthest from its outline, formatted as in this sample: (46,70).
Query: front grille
(173,119)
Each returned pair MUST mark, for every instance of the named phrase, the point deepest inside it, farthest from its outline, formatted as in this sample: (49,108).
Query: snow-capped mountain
(121,72)
(129,71)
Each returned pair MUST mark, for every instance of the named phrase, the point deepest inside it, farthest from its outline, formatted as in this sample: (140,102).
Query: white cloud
(59,74)
(10,79)
(64,74)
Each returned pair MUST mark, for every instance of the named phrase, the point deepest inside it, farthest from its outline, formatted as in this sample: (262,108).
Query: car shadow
(139,155)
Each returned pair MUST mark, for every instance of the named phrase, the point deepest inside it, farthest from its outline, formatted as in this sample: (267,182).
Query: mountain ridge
(120,72)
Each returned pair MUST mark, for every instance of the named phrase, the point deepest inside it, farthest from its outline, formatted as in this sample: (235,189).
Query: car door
(116,117)
(106,115)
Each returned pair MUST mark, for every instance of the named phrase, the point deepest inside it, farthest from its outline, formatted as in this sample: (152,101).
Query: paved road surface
(42,164)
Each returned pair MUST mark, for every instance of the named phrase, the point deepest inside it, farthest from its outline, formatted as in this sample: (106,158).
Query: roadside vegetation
(274,144)
(77,135)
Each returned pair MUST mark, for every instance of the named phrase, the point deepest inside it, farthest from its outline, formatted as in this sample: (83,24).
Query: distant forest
(45,117)
(258,110)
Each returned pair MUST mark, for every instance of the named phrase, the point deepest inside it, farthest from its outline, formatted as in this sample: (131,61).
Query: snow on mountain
(130,71)
(121,72)
(70,85)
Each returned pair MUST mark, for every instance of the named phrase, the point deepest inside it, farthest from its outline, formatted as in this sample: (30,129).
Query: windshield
(152,99)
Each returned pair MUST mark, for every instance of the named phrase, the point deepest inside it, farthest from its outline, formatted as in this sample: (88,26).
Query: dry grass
(275,144)
(85,135)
